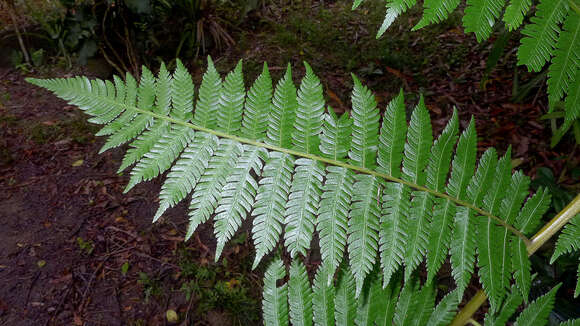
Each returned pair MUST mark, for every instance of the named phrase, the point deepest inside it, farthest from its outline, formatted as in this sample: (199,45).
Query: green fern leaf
(572,104)
(415,305)
(394,9)
(186,172)
(537,312)
(229,114)
(445,310)
(365,131)
(566,59)
(274,298)
(209,188)
(569,240)
(392,137)
(436,11)
(363,228)
(127,96)
(530,215)
(509,307)
(182,93)
(323,297)
(345,304)
(163,91)
(575,322)
(309,114)
(443,211)
(521,266)
(388,302)
(238,195)
(480,17)
(541,34)
(209,96)
(283,113)
(369,301)
(302,206)
(577,290)
(299,295)
(335,138)
(333,216)
(419,139)
(143,144)
(270,203)
(393,228)
(418,224)
(258,104)
(515,12)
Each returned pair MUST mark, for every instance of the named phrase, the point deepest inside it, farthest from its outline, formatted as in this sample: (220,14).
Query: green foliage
(569,241)
(385,204)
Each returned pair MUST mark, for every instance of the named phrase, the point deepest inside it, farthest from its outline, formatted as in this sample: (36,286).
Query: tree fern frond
(302,206)
(144,143)
(309,114)
(394,9)
(129,99)
(335,138)
(270,203)
(445,310)
(436,11)
(333,212)
(392,137)
(537,312)
(515,12)
(566,60)
(258,103)
(283,113)
(365,130)
(363,227)
(209,188)
(209,97)
(229,114)
(323,297)
(541,34)
(274,298)
(508,308)
(344,302)
(186,172)
(299,295)
(238,195)
(182,93)
(569,240)
(480,17)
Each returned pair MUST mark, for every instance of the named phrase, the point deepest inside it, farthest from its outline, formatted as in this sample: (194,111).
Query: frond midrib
(320,159)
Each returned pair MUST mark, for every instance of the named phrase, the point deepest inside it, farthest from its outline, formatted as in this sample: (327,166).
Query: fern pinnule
(126,96)
(344,302)
(515,12)
(537,312)
(283,114)
(569,240)
(392,137)
(480,17)
(309,114)
(335,137)
(323,295)
(258,104)
(365,131)
(231,105)
(299,295)
(275,298)
(445,310)
(208,98)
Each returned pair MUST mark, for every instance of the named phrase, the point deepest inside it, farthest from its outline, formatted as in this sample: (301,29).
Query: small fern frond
(270,203)
(365,130)
(536,313)
(258,104)
(515,12)
(480,17)
(209,97)
(569,240)
(299,295)
(508,308)
(283,113)
(335,138)
(445,310)
(394,9)
(541,34)
(309,114)
(333,214)
(274,298)
(323,297)
(436,11)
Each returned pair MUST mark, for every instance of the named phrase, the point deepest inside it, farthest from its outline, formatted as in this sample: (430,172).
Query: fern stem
(551,228)
(336,163)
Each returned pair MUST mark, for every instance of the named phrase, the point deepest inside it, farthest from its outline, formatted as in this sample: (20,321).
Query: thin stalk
(325,160)
(537,241)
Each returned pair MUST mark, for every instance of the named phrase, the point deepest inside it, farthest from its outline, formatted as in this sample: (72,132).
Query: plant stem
(537,241)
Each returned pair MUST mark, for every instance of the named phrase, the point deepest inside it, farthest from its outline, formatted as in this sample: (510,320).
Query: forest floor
(75,251)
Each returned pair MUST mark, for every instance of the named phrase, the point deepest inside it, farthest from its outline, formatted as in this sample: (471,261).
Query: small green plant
(85,246)
(151,286)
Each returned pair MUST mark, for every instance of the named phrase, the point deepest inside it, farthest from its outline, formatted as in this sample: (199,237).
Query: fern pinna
(382,194)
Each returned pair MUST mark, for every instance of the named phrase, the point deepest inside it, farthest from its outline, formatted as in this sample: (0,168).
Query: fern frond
(126,94)
(143,144)
(570,322)
(182,93)
(345,304)
(541,34)
(572,103)
(333,216)
(509,307)
(392,137)
(302,206)
(569,240)
(274,298)
(566,60)
(394,9)
(209,97)
(283,113)
(323,297)
(419,139)
(229,114)
(309,114)
(533,210)
(365,130)
(388,301)
(363,227)
(515,12)
(537,312)
(445,310)
(299,295)
(436,11)
(258,104)
(368,308)
(335,138)
(480,17)
(238,195)
(415,305)
(270,203)
(209,188)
